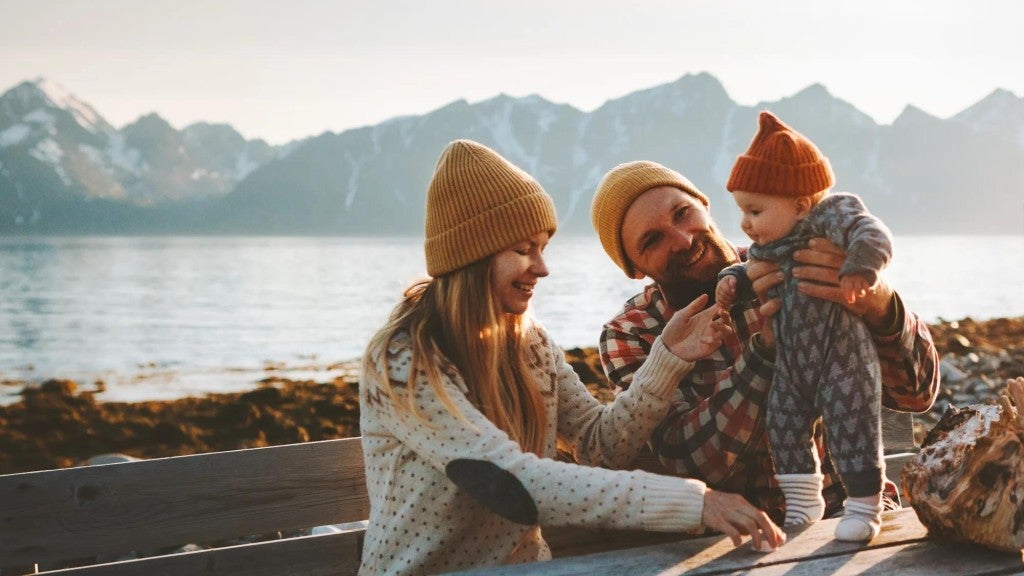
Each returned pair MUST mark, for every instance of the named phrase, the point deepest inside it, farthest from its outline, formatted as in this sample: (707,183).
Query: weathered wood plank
(897,431)
(116,508)
(326,555)
(918,559)
(576,541)
(716,554)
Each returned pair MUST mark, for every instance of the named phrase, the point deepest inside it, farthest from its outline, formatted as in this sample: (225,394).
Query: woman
(463,397)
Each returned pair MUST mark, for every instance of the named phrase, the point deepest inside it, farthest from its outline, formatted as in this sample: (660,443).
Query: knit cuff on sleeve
(896,327)
(672,504)
(661,372)
(765,353)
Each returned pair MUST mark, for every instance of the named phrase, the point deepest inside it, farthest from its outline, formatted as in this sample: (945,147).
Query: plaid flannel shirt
(715,431)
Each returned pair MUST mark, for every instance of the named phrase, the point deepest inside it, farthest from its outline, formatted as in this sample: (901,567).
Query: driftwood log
(967,483)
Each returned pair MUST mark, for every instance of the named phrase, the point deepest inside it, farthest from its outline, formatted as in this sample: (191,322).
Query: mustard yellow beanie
(479,204)
(617,191)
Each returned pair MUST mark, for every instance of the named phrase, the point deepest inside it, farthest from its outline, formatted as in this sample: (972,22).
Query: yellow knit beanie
(479,204)
(617,191)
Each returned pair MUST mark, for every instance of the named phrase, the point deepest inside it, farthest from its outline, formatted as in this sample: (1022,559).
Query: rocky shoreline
(56,425)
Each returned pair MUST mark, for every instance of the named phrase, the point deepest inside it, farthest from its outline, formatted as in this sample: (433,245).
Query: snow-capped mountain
(57,152)
(921,174)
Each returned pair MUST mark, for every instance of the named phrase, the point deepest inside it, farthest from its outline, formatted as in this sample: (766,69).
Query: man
(655,223)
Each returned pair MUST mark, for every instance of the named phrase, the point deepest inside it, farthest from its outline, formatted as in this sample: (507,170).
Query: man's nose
(681,239)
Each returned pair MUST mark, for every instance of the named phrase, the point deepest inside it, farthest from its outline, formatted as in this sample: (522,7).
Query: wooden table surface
(902,548)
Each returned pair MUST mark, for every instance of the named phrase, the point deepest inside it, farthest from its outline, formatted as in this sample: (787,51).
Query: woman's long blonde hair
(456,316)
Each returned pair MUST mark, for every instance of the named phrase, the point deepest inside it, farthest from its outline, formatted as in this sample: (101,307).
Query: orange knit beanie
(780,161)
(479,204)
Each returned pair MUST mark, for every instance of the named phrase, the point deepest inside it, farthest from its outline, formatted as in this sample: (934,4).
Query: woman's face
(516,270)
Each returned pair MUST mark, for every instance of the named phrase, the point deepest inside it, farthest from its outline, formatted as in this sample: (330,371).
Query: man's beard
(683,283)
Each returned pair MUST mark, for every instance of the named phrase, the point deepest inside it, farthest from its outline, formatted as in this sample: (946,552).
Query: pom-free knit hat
(479,204)
(781,162)
(617,191)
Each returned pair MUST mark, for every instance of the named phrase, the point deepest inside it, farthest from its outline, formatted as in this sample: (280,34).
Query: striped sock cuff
(804,502)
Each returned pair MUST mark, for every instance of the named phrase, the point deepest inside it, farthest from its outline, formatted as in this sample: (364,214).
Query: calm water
(163,317)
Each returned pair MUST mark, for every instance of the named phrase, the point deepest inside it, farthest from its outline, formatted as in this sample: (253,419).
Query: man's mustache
(681,260)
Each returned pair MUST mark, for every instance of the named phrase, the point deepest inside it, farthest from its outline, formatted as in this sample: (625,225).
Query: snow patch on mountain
(724,158)
(43,118)
(244,165)
(94,156)
(122,156)
(14,135)
(499,125)
(50,153)
(353,179)
(61,98)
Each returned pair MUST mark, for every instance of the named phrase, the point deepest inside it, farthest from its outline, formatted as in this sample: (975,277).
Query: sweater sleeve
(909,361)
(716,409)
(613,434)
(564,494)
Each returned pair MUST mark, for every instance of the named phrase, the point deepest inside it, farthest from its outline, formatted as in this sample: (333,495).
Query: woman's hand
(695,331)
(733,516)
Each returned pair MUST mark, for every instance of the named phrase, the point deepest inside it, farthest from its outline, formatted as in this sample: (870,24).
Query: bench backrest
(114,509)
(109,510)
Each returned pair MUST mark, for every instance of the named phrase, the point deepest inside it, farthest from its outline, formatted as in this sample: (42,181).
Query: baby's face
(768,218)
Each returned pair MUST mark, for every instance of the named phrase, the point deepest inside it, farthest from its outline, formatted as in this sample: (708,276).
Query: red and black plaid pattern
(714,430)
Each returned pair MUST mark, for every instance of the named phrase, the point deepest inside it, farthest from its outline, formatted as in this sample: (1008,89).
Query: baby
(826,362)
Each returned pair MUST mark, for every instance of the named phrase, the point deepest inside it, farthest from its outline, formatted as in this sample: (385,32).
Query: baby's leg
(851,406)
(789,422)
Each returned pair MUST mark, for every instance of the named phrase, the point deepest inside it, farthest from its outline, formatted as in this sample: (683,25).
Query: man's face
(668,236)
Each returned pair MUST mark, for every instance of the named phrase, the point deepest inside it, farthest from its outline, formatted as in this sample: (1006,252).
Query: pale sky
(282,70)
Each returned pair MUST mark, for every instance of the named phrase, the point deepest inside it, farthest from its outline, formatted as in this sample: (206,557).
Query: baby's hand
(725,294)
(854,287)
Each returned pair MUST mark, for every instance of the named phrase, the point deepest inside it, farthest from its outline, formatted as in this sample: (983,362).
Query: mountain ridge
(65,170)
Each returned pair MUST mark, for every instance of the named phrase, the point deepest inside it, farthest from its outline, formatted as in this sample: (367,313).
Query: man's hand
(764,276)
(695,332)
(817,272)
(733,516)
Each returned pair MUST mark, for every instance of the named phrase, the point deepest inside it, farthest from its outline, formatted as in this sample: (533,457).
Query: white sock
(862,520)
(804,502)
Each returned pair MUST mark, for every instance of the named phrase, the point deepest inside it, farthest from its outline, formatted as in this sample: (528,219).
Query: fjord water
(161,317)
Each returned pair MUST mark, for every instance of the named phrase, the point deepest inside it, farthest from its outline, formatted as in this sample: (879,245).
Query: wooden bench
(76,515)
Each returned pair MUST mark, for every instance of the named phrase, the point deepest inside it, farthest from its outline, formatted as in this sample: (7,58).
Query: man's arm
(910,375)
(716,407)
(909,360)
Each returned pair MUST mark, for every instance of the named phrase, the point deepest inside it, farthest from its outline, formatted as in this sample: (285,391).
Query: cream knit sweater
(421,523)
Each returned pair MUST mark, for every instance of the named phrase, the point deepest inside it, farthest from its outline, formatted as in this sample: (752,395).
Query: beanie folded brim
(478,204)
(490,232)
(753,174)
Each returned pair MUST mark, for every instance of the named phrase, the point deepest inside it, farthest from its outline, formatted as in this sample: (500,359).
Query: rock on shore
(55,425)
